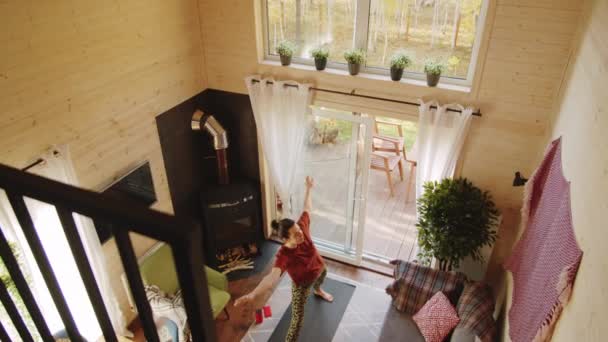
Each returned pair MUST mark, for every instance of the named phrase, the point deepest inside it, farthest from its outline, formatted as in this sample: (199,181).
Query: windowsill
(376,77)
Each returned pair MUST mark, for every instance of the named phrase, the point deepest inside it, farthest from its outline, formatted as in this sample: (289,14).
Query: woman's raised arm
(310,183)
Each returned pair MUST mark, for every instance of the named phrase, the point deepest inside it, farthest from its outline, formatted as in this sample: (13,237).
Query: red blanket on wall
(546,258)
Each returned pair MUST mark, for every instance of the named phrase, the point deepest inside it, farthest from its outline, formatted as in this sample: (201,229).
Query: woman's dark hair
(282,227)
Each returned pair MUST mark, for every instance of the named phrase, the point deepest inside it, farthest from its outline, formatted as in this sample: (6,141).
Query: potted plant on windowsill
(455,220)
(354,57)
(285,49)
(433,70)
(320,56)
(399,62)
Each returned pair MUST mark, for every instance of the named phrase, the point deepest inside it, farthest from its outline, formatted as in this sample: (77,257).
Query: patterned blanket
(546,258)
(169,307)
(416,284)
(475,309)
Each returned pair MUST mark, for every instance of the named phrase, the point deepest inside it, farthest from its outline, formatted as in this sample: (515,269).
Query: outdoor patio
(390,221)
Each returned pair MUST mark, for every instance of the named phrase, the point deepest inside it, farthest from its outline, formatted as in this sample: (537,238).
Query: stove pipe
(206,122)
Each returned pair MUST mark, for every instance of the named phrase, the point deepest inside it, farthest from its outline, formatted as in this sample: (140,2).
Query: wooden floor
(234,329)
(390,221)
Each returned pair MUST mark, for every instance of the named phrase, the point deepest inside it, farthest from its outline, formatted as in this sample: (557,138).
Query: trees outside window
(446,30)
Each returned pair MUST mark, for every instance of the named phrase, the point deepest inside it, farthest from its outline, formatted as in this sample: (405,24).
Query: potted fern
(285,49)
(354,57)
(433,70)
(399,62)
(455,220)
(320,56)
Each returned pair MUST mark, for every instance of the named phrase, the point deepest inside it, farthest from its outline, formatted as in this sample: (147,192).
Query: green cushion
(219,299)
(158,269)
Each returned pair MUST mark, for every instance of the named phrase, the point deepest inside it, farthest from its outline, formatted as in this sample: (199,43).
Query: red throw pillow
(436,318)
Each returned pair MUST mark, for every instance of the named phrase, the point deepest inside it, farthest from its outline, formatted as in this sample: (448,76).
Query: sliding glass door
(336,154)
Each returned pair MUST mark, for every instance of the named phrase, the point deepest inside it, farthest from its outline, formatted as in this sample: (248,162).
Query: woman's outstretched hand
(310,182)
(246,304)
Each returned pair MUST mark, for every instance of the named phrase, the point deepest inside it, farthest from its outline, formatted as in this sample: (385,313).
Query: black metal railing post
(29,231)
(12,266)
(86,273)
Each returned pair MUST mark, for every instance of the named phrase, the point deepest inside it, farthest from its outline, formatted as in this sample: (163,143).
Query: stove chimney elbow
(206,122)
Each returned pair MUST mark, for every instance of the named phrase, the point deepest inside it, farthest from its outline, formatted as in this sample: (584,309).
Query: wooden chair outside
(396,145)
(387,161)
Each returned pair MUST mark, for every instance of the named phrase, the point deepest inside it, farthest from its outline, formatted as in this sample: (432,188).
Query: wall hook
(519,180)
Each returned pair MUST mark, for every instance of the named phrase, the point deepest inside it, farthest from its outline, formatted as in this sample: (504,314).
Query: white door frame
(328,249)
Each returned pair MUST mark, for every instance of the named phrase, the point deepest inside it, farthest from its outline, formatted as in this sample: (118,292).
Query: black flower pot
(396,74)
(432,79)
(353,68)
(320,63)
(285,60)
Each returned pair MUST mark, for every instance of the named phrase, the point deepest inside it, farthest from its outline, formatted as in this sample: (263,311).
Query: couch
(157,268)
(415,284)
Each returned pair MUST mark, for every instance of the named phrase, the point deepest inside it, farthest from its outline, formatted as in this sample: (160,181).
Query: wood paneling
(580,119)
(524,54)
(94,75)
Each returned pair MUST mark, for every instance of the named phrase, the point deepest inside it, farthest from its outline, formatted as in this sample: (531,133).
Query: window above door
(448,31)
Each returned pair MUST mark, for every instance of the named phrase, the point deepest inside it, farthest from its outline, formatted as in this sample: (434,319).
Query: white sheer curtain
(280,117)
(441,135)
(58,166)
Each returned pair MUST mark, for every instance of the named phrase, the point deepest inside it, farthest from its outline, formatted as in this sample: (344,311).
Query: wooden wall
(524,54)
(93,75)
(581,120)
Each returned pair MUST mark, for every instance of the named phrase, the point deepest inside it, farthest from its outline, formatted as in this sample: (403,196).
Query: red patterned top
(303,263)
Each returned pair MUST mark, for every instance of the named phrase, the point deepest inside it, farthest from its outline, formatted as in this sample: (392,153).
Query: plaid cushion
(475,309)
(415,284)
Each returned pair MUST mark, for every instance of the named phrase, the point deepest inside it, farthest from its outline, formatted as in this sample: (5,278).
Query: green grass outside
(345,129)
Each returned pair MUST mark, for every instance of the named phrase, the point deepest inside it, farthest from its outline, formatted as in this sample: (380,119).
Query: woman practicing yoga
(300,258)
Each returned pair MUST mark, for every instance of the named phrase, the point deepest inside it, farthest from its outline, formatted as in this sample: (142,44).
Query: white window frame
(360,41)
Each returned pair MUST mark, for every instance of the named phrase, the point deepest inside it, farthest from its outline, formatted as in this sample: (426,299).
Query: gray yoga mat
(321,318)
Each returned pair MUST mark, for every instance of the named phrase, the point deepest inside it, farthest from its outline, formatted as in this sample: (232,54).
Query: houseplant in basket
(399,62)
(455,220)
(433,70)
(354,57)
(320,55)
(285,49)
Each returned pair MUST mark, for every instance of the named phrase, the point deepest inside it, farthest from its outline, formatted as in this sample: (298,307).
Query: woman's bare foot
(326,296)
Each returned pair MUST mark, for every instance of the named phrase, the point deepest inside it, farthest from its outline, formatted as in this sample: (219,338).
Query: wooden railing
(184,237)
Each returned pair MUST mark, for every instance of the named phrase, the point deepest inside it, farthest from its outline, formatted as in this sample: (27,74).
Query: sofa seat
(399,327)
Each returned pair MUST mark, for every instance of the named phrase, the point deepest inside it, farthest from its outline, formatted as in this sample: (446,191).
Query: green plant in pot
(399,62)
(286,49)
(433,70)
(455,220)
(320,56)
(354,57)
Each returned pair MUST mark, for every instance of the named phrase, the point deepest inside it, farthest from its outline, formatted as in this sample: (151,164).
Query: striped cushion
(475,309)
(415,284)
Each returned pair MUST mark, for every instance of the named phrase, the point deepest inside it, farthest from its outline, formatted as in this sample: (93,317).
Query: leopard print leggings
(299,295)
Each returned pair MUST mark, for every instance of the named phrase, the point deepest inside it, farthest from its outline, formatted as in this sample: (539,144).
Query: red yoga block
(258,317)
(267,311)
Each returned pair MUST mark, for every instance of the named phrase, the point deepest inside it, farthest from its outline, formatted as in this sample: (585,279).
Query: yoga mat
(268,249)
(321,318)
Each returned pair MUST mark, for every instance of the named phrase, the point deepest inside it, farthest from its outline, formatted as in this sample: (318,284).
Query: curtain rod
(352,93)
(38,161)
